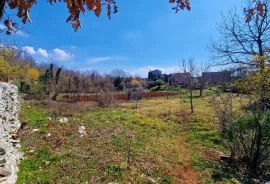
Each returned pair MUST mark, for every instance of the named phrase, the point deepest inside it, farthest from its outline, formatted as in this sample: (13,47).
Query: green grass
(167,88)
(119,142)
(33,116)
(100,156)
(205,135)
(39,167)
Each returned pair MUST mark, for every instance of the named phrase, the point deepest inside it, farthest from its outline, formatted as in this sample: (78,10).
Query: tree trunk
(201,92)
(129,96)
(191,102)
(21,87)
(52,94)
(255,160)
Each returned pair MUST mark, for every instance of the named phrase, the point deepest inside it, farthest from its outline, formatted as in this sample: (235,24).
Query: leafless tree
(118,77)
(118,73)
(240,40)
(103,87)
(246,45)
(135,91)
(190,68)
(201,80)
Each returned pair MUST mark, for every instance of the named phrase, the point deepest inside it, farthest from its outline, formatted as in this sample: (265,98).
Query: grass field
(159,142)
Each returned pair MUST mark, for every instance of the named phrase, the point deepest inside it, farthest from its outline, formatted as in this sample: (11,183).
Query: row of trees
(47,81)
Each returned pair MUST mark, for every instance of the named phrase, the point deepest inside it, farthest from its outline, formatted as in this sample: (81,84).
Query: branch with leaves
(78,7)
(75,8)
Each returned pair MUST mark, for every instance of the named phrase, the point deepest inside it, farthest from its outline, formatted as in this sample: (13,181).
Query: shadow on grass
(235,170)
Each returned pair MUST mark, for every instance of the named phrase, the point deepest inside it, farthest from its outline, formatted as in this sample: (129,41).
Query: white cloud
(98,60)
(32,51)
(73,47)
(165,70)
(61,55)
(29,50)
(103,59)
(42,52)
(57,54)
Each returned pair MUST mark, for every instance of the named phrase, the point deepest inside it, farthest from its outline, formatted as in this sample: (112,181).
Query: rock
(63,120)
(152,180)
(2,160)
(4,172)
(3,179)
(18,146)
(2,151)
(82,131)
(9,126)
(14,141)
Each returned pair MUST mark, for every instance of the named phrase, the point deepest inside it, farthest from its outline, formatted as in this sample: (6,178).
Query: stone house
(154,75)
(213,78)
(179,78)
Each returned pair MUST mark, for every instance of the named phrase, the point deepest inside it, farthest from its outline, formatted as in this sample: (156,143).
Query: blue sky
(143,35)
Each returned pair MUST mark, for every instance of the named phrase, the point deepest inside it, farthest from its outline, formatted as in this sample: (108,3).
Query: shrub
(159,83)
(247,133)
(104,89)
(243,137)
(105,99)
(35,92)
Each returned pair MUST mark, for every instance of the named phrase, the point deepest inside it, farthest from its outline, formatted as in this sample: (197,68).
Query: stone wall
(9,125)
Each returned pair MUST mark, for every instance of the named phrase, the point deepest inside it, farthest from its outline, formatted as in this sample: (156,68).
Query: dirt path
(184,173)
(189,175)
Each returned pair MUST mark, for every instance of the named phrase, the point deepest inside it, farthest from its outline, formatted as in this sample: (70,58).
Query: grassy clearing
(162,141)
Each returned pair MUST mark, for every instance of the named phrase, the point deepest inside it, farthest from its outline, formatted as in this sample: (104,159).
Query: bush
(104,89)
(243,136)
(105,99)
(35,92)
(159,83)
(246,130)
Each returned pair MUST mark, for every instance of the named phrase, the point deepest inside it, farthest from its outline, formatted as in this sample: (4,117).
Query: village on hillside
(174,79)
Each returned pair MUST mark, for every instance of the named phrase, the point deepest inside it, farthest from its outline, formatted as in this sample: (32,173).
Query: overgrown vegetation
(123,144)
(202,135)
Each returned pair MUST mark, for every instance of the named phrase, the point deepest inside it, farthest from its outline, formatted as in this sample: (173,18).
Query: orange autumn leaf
(90,4)
(98,8)
(109,10)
